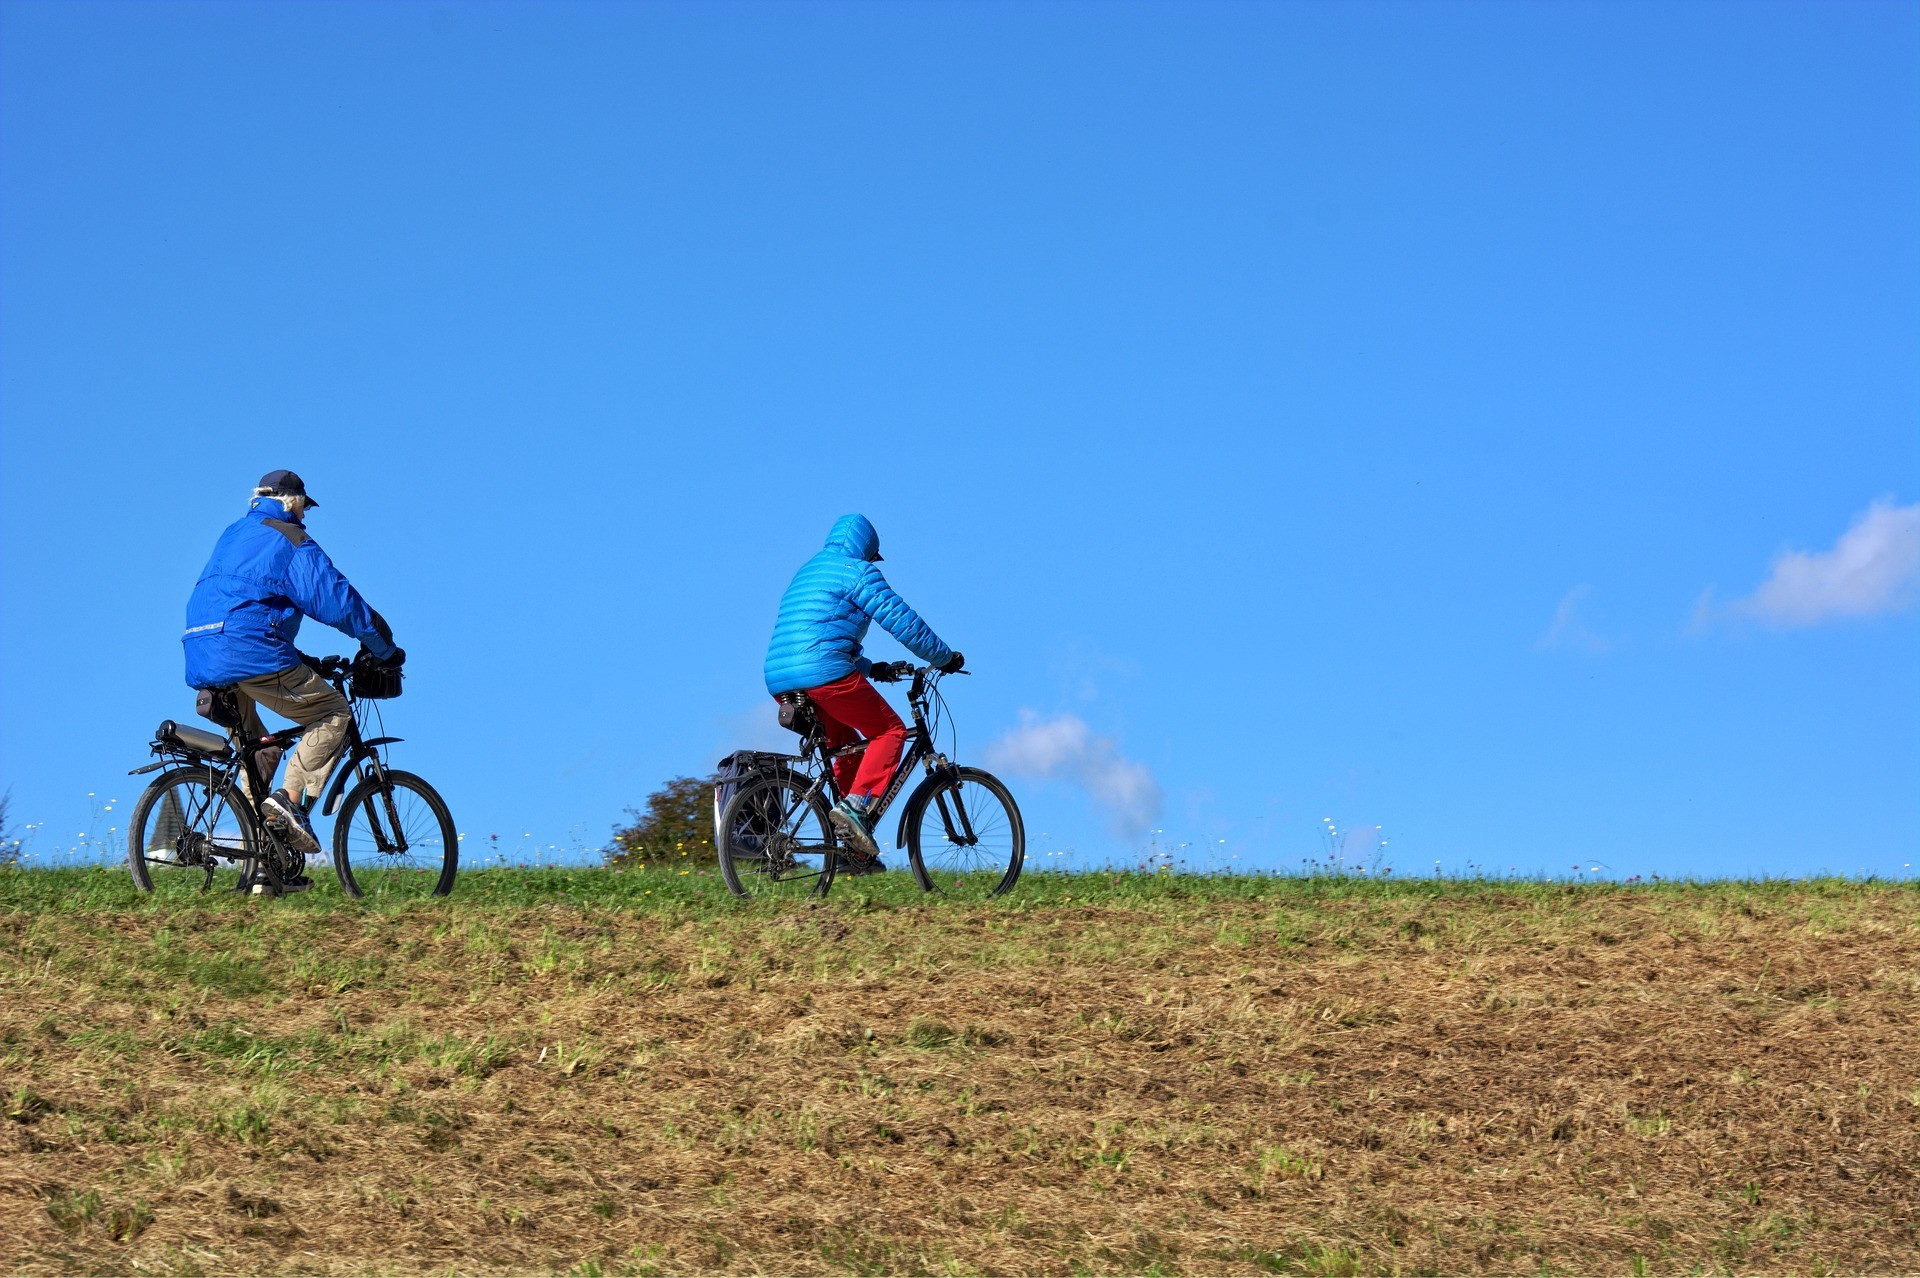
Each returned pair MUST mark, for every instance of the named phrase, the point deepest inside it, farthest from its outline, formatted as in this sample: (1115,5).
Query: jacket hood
(854,537)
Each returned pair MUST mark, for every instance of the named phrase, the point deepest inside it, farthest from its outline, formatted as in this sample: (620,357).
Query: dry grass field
(622,1074)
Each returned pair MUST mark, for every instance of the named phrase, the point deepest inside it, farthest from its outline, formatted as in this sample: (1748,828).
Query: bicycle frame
(919,751)
(359,756)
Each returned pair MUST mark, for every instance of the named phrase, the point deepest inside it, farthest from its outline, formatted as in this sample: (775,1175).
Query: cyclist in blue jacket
(824,615)
(265,574)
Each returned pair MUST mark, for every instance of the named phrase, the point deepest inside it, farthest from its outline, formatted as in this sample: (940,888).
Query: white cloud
(1569,629)
(1874,568)
(1065,748)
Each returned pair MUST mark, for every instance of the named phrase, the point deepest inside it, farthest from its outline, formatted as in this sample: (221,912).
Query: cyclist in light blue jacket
(824,615)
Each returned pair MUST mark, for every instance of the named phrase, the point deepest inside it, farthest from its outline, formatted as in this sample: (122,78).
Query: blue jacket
(245,610)
(825,613)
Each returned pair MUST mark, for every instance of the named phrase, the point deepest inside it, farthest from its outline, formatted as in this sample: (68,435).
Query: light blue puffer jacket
(825,613)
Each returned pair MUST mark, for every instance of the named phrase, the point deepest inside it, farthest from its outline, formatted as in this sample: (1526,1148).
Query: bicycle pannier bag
(726,779)
(735,771)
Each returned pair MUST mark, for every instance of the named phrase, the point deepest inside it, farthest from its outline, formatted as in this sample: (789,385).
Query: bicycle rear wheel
(394,840)
(190,832)
(775,843)
(965,838)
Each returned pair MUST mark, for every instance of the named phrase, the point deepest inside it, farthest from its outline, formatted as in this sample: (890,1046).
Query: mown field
(598,1073)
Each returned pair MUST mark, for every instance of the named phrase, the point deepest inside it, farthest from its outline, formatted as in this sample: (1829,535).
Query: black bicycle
(960,826)
(200,824)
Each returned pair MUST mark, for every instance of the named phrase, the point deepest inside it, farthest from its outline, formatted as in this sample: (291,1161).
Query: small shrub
(675,825)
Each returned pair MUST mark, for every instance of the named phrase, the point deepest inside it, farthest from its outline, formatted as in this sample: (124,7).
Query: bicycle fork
(961,833)
(398,843)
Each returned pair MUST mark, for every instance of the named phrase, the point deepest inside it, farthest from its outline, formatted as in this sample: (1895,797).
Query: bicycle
(198,820)
(770,814)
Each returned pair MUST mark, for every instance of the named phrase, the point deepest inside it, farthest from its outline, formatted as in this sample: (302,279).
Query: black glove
(954,664)
(398,659)
(884,672)
(325,667)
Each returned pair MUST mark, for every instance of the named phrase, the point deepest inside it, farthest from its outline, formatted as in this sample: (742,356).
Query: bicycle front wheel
(775,843)
(964,836)
(190,832)
(394,840)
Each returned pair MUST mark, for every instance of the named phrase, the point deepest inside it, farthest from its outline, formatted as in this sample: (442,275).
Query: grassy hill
(626,1074)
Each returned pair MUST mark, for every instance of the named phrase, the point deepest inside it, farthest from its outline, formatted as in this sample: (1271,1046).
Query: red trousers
(852,708)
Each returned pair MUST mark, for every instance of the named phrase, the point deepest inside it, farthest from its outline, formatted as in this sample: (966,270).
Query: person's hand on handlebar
(884,672)
(954,664)
(394,662)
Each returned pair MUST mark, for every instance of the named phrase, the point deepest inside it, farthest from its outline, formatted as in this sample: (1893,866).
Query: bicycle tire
(360,834)
(979,871)
(774,840)
(161,820)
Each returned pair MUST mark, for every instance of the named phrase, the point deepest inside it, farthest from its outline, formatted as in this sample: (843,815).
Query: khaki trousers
(304,697)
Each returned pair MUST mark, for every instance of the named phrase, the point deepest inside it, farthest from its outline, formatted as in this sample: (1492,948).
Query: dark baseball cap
(285,483)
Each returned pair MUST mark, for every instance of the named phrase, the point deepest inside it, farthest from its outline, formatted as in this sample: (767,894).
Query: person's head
(854,536)
(289,490)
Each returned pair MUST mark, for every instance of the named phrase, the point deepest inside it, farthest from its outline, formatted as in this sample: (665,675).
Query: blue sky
(1401,414)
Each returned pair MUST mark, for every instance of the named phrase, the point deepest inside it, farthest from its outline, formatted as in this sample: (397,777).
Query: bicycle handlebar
(333,667)
(907,670)
(921,678)
(327,667)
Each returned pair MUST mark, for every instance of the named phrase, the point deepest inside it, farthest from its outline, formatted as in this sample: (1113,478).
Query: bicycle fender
(916,801)
(346,773)
(906,810)
(338,787)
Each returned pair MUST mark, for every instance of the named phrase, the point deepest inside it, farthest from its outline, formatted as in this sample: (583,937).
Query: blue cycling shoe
(849,821)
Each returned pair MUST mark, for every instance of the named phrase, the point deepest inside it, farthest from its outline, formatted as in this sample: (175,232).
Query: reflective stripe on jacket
(264,575)
(825,613)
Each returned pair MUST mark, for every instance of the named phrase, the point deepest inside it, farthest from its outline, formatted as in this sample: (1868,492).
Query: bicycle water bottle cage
(182,739)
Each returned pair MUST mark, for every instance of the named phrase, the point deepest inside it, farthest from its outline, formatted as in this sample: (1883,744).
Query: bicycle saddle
(796,712)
